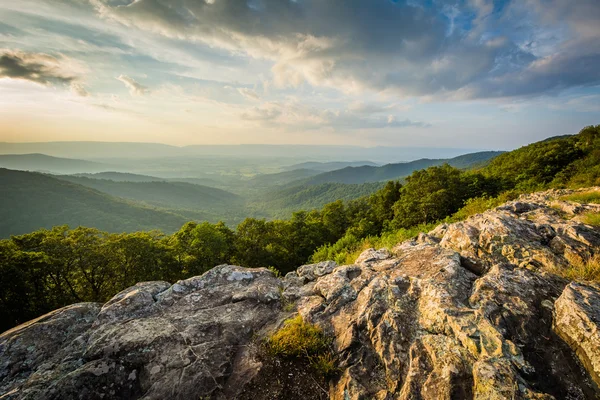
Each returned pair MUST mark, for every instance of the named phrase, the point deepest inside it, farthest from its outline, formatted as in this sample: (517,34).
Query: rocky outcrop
(474,309)
(576,320)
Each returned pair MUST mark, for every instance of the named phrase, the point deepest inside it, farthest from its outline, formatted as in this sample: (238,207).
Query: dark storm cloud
(34,67)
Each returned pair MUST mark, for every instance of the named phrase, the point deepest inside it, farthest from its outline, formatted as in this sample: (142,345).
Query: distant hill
(44,163)
(298,153)
(358,175)
(121,177)
(329,166)
(282,202)
(172,195)
(281,178)
(32,200)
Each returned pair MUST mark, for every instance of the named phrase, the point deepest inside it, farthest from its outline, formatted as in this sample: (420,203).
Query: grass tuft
(590,197)
(591,218)
(297,338)
(301,340)
(582,269)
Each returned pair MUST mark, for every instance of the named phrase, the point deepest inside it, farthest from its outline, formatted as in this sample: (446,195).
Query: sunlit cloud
(401,72)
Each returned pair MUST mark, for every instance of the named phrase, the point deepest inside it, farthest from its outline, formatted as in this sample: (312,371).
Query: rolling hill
(171,195)
(358,175)
(282,202)
(32,200)
(280,178)
(120,177)
(45,163)
(329,166)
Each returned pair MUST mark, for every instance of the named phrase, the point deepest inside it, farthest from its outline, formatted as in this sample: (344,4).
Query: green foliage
(366,173)
(581,269)
(300,340)
(324,364)
(31,201)
(592,196)
(477,205)
(572,161)
(591,218)
(348,248)
(297,338)
(432,194)
(282,202)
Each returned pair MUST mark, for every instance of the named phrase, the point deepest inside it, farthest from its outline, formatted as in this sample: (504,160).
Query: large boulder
(151,341)
(577,321)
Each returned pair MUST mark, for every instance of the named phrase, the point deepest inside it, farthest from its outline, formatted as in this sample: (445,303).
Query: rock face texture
(471,310)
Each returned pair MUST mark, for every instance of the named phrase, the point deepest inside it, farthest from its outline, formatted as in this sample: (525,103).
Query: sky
(468,74)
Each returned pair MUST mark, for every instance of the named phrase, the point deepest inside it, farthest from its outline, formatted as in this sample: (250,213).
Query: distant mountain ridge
(32,200)
(106,150)
(46,163)
(364,174)
(330,166)
(172,195)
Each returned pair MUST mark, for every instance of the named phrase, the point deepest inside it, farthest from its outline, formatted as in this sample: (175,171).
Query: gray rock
(577,321)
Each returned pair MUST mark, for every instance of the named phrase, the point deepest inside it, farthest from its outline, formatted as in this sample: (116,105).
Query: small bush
(591,218)
(324,364)
(300,340)
(592,196)
(478,205)
(297,338)
(582,269)
(346,250)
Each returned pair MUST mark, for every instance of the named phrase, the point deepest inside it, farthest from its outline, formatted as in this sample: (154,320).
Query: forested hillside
(32,201)
(173,195)
(281,202)
(363,174)
(49,268)
(42,162)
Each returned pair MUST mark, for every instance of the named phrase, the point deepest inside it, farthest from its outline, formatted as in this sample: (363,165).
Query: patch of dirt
(288,379)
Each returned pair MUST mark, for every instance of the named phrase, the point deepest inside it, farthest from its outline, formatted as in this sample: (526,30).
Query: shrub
(298,338)
(478,205)
(324,364)
(582,269)
(591,218)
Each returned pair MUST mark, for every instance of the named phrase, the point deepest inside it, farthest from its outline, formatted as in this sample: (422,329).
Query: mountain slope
(31,201)
(172,195)
(356,175)
(42,162)
(120,177)
(281,178)
(330,166)
(572,160)
(281,202)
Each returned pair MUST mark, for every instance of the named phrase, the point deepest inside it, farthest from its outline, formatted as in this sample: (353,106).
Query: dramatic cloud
(135,88)
(469,49)
(363,71)
(35,67)
(43,69)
